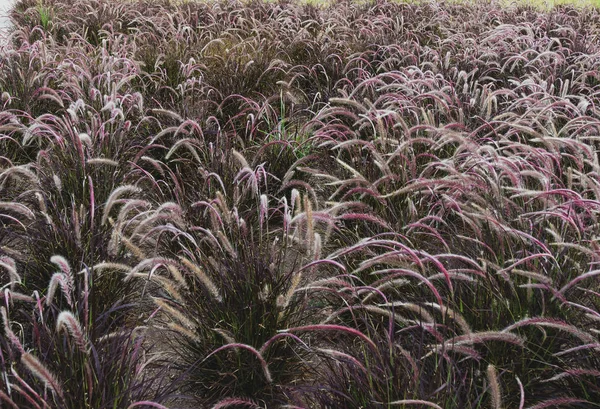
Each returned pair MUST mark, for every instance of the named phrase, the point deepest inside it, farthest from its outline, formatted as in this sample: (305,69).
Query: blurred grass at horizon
(7,5)
(543,4)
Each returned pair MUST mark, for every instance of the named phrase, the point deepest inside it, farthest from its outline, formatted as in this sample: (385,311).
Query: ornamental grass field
(286,205)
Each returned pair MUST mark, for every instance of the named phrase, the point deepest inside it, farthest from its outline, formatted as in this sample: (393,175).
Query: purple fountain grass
(382,180)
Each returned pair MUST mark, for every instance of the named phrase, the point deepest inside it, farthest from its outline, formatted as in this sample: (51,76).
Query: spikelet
(170,207)
(18,208)
(522,393)
(495,390)
(169,286)
(112,266)
(173,312)
(85,139)
(310,232)
(204,279)
(369,308)
(102,161)
(225,334)
(118,334)
(59,279)
(412,362)
(131,204)
(146,403)
(183,331)
(334,328)
(263,295)
(577,279)
(66,320)
(8,332)
(168,113)
(317,246)
(153,262)
(57,182)
(264,208)
(114,196)
(9,265)
(41,202)
(152,219)
(532,275)
(424,315)
(226,244)
(133,249)
(221,202)
(541,322)
(458,318)
(21,170)
(295,202)
(395,284)
(284,300)
(114,243)
(77,224)
(176,274)
(37,369)
(62,263)
(250,348)
(419,402)
(287,215)
(188,144)
(13,295)
(575,372)
(339,354)
(595,346)
(241,159)
(485,336)
(235,403)
(68,282)
(351,103)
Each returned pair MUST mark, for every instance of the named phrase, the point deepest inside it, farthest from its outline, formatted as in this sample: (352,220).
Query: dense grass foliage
(279,205)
